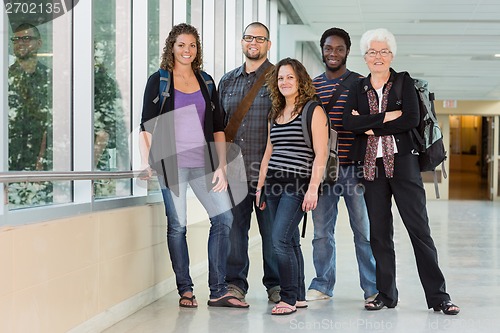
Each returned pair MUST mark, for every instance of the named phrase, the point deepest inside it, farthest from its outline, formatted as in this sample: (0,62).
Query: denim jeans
(286,213)
(238,262)
(218,208)
(324,219)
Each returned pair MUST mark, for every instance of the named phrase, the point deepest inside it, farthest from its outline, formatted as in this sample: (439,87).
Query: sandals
(283,309)
(376,304)
(301,304)
(225,302)
(188,305)
(446,306)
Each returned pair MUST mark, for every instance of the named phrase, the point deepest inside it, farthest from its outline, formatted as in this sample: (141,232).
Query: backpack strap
(346,84)
(398,89)
(165,82)
(306,123)
(307,113)
(398,86)
(209,83)
(164,88)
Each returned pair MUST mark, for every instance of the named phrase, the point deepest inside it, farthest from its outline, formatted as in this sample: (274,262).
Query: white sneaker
(315,295)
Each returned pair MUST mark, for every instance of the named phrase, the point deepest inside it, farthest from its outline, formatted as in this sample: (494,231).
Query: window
(39,108)
(112,64)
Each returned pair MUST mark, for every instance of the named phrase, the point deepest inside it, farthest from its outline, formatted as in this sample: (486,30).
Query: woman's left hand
(310,201)
(220,180)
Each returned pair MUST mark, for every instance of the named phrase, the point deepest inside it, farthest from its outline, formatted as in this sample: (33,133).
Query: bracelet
(258,191)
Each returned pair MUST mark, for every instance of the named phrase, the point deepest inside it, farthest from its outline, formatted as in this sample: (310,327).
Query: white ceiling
(450,43)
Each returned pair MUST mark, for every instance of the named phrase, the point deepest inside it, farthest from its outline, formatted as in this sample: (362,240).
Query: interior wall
(58,275)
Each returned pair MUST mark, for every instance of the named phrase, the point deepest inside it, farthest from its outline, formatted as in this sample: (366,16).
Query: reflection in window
(153,35)
(110,122)
(155,45)
(30,116)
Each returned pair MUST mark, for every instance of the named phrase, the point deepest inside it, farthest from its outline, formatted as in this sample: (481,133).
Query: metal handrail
(38,176)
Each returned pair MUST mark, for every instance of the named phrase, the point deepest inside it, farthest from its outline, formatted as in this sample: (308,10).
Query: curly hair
(167,58)
(306,90)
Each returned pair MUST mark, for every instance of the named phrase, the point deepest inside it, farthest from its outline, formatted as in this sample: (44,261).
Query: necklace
(186,80)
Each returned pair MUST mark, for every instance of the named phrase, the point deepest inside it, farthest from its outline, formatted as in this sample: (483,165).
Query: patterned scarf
(369,167)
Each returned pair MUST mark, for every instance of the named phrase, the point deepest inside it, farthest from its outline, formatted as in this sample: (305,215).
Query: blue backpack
(164,89)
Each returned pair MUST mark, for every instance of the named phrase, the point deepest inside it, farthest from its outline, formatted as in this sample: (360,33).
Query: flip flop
(288,307)
(225,303)
(301,304)
(190,299)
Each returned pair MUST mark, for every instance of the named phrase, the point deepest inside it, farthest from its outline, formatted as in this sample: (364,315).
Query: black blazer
(399,128)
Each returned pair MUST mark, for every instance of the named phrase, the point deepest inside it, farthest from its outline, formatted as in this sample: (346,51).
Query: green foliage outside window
(30,132)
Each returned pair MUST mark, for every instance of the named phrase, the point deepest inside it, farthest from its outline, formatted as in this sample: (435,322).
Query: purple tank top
(189,117)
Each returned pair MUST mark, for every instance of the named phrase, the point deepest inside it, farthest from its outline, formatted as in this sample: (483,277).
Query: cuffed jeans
(218,207)
(238,262)
(324,220)
(286,213)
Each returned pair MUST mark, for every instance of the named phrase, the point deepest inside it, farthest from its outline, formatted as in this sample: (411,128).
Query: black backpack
(332,164)
(428,135)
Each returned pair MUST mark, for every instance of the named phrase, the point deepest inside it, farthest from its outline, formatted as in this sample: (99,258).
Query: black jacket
(163,153)
(399,128)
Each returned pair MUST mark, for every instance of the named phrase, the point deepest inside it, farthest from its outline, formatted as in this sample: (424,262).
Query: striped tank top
(290,153)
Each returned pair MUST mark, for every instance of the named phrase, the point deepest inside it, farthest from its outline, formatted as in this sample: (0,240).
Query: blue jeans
(324,219)
(218,208)
(286,213)
(238,262)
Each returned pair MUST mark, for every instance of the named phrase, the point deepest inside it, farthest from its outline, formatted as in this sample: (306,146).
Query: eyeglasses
(23,38)
(250,38)
(383,53)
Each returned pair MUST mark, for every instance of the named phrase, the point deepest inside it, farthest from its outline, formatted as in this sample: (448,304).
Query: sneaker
(371,298)
(315,295)
(236,292)
(274,295)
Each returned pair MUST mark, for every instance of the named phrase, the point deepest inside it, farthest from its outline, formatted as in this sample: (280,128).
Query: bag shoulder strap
(345,84)
(165,82)
(307,114)
(244,106)
(164,88)
(208,82)
(398,89)
(398,85)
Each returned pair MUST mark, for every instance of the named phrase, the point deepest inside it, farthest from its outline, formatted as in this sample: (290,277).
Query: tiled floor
(467,235)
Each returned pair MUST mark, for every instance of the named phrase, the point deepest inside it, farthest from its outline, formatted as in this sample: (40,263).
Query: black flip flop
(185,298)
(224,303)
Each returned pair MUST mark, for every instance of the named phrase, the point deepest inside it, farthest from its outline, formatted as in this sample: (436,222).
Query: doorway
(468,174)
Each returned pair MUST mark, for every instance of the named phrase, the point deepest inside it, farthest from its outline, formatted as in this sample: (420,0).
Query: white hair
(378,35)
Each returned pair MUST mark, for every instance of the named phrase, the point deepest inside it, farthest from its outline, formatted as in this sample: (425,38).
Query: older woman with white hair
(385,147)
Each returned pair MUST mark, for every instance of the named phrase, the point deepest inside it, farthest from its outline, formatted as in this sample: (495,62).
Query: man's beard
(334,69)
(28,54)
(254,57)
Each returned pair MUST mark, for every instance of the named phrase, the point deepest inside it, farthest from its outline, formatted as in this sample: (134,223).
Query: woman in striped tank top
(291,173)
